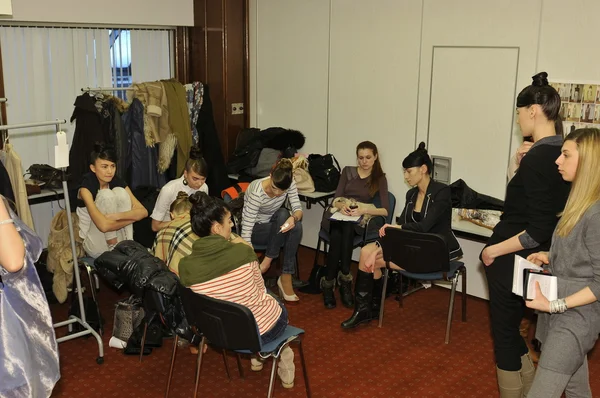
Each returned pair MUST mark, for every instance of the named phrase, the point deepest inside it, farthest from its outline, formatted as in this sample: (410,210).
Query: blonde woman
(568,327)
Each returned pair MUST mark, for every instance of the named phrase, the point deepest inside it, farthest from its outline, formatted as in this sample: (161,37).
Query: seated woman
(360,183)
(265,222)
(227,269)
(175,241)
(193,180)
(568,327)
(428,209)
(105,206)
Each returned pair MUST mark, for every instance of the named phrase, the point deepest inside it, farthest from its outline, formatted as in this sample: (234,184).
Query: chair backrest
(225,324)
(415,252)
(392,200)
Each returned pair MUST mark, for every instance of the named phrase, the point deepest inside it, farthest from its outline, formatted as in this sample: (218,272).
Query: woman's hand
(113,216)
(346,210)
(487,257)
(540,302)
(382,229)
(539,258)
(522,150)
(289,224)
(359,211)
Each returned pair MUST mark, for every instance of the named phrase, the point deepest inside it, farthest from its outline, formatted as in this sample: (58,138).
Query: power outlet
(237,108)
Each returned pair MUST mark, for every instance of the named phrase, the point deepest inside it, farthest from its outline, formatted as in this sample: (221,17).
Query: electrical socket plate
(237,108)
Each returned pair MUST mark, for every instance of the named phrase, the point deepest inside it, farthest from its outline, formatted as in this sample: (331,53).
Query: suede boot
(345,283)
(363,300)
(327,287)
(509,383)
(376,301)
(286,368)
(527,373)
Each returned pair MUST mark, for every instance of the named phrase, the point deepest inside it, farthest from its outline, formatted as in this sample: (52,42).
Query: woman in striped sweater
(226,268)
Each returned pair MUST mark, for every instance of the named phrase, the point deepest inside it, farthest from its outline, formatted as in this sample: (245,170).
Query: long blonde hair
(585,189)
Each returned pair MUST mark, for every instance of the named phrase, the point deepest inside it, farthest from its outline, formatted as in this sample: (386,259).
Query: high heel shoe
(282,294)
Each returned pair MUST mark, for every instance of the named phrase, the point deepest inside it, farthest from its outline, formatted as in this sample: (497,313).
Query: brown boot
(509,383)
(527,373)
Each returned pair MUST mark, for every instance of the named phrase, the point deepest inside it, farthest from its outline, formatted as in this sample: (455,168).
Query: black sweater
(436,215)
(534,197)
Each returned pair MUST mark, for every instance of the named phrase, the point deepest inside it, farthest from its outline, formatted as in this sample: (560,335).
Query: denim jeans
(268,235)
(277,329)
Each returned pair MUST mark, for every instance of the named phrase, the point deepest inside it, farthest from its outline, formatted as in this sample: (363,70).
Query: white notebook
(339,216)
(548,283)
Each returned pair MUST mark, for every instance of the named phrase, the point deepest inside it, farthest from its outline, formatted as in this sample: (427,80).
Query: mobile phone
(528,139)
(352,207)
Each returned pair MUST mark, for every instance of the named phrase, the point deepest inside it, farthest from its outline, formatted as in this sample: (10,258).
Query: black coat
(436,215)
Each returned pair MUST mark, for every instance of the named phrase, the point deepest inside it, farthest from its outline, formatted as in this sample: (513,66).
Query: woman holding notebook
(569,326)
(534,198)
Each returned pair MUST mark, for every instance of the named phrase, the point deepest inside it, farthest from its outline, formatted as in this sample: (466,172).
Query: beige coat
(15,172)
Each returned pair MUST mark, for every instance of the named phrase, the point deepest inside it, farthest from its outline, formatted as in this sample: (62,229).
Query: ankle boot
(376,301)
(328,297)
(509,383)
(363,300)
(345,283)
(527,373)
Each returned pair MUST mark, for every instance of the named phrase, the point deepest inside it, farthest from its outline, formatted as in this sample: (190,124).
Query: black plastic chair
(231,326)
(423,257)
(359,241)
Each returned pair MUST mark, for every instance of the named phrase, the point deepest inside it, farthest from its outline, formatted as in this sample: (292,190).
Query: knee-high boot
(376,301)
(362,300)
(510,383)
(527,373)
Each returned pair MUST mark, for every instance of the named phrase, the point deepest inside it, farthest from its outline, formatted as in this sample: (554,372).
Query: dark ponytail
(206,210)
(196,162)
(418,158)
(282,174)
(104,152)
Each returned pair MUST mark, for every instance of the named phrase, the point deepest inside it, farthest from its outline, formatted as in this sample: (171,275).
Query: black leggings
(341,238)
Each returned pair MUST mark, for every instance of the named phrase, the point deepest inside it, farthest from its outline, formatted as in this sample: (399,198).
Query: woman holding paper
(569,326)
(361,183)
(534,198)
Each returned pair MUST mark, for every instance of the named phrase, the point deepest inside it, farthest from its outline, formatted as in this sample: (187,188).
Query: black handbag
(51,177)
(325,172)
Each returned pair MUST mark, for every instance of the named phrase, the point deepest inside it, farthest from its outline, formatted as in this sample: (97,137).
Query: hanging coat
(15,171)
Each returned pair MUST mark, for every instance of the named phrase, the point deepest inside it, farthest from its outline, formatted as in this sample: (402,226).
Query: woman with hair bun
(534,198)
(266,222)
(428,209)
(193,180)
(225,267)
(106,206)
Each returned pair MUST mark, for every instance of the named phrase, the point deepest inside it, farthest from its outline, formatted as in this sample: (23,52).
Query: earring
(185,181)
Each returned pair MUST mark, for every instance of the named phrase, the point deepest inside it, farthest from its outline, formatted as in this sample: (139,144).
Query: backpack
(324,172)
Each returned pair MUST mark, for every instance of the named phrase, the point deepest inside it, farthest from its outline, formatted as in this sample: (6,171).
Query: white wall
(380,61)
(130,12)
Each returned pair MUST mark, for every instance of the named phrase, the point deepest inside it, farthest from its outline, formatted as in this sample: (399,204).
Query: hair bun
(195,153)
(101,147)
(541,79)
(421,146)
(181,195)
(285,163)
(199,198)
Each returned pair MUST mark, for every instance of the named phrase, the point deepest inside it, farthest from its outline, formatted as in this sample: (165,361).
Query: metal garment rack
(87,89)
(72,319)
(3,135)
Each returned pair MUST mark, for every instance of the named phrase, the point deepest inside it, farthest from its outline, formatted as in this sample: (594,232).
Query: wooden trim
(247,64)
(2,105)
(182,54)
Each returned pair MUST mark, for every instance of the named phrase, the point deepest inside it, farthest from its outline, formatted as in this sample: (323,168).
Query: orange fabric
(233,192)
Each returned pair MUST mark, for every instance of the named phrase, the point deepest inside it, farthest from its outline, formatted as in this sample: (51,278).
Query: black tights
(341,238)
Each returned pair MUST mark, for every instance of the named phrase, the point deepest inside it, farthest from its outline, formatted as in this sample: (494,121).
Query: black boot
(363,300)
(376,301)
(328,297)
(345,284)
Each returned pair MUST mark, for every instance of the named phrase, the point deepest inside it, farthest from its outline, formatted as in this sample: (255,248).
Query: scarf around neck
(213,256)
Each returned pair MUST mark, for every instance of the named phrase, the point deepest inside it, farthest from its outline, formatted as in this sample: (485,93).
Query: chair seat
(323,234)
(454,266)
(89,261)
(290,331)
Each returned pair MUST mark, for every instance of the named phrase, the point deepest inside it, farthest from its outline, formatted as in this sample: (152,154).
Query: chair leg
(173,355)
(464,293)
(91,273)
(143,340)
(226,365)
(199,365)
(272,381)
(239,363)
(308,393)
(317,253)
(451,308)
(401,295)
(384,289)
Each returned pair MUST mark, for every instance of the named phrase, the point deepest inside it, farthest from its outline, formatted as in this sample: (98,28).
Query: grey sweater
(575,260)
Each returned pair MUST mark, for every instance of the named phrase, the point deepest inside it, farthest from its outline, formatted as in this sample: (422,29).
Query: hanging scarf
(213,256)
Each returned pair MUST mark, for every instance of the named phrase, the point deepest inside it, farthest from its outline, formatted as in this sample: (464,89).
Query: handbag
(48,175)
(304,181)
(129,314)
(325,172)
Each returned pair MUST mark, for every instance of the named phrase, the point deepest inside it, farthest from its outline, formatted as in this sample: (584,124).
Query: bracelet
(296,218)
(7,221)
(558,306)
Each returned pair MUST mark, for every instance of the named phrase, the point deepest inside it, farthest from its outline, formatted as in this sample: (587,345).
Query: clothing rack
(72,318)
(87,89)
(3,135)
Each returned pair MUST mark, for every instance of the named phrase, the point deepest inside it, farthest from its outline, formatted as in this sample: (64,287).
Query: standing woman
(361,183)
(29,364)
(193,180)
(534,198)
(568,327)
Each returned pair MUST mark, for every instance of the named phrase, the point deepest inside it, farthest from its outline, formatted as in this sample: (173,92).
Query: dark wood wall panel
(216,81)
